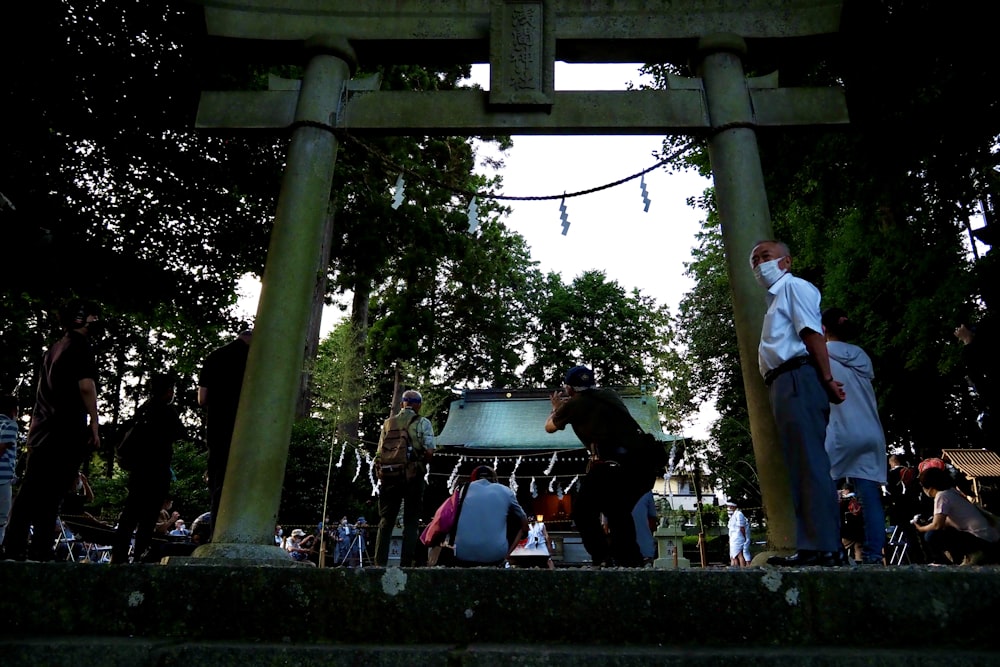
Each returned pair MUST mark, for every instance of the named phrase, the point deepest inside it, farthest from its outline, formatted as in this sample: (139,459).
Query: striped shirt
(8,459)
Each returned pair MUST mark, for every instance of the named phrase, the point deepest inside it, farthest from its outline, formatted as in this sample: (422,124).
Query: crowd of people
(821,395)
(824,407)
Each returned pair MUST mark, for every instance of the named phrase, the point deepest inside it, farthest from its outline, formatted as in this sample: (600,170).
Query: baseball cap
(579,376)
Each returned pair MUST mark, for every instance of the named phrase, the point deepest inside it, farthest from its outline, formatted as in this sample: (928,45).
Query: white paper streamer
(563,216)
(357,471)
(397,196)
(552,485)
(473,214)
(534,488)
(340,461)
(569,487)
(371,469)
(552,464)
(454,475)
(496,464)
(513,479)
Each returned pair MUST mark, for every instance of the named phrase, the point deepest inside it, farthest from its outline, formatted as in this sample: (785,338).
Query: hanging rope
(395,167)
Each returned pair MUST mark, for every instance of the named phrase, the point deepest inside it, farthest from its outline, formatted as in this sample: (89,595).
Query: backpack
(395,451)
(645,455)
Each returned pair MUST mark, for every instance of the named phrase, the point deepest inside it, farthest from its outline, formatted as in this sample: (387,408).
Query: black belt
(790,365)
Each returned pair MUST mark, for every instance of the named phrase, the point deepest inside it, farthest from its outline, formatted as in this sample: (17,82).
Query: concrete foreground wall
(67,613)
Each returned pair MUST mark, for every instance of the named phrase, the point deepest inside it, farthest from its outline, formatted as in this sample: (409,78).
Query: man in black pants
(156,427)
(63,433)
(613,484)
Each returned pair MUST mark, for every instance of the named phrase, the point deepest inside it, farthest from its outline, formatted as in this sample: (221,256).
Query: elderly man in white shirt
(793,360)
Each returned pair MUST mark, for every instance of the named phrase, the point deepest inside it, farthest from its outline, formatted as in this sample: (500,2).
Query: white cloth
(855,441)
(739,534)
(792,306)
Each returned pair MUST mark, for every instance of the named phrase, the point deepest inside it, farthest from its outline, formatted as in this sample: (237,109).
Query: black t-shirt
(59,407)
(158,427)
(222,375)
(599,418)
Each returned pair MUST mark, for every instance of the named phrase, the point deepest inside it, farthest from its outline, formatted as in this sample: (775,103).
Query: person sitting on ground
(300,546)
(482,537)
(959,532)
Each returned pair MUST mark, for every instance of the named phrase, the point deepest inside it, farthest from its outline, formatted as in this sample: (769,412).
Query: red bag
(442,523)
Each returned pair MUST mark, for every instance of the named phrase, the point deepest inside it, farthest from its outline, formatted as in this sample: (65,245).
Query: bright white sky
(608,229)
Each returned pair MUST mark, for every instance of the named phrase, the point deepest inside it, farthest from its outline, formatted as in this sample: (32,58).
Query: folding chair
(67,540)
(897,546)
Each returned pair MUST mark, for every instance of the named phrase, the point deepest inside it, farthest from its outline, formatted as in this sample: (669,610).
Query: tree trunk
(303,406)
(349,420)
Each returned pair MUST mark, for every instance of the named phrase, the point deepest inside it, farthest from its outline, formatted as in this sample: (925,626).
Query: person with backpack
(405,448)
(617,476)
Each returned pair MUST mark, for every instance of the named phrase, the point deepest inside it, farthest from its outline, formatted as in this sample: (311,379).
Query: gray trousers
(801,412)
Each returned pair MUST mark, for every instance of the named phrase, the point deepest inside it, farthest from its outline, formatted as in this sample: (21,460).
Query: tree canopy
(877,216)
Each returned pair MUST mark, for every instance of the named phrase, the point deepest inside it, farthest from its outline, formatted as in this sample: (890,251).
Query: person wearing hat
(612,486)
(300,545)
(63,432)
(409,494)
(482,536)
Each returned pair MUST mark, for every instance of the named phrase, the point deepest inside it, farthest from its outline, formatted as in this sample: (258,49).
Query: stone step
(104,652)
(267,615)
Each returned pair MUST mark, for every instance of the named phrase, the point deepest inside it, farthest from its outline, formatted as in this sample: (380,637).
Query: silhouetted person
(156,428)
(63,432)
(219,388)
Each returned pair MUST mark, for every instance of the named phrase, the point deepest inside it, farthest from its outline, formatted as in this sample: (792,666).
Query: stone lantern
(670,541)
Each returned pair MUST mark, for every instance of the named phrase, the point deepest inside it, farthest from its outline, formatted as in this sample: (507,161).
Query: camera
(919,520)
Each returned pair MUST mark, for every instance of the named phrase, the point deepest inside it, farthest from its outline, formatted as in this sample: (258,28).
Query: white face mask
(767,273)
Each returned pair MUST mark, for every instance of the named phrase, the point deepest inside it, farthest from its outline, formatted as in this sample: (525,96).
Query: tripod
(357,545)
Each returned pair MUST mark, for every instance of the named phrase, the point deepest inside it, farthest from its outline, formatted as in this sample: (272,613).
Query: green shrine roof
(515,419)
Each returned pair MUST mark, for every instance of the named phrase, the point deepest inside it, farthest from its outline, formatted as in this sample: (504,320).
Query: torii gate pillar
(252,491)
(746,219)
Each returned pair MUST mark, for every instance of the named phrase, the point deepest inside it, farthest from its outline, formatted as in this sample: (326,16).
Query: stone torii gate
(521,39)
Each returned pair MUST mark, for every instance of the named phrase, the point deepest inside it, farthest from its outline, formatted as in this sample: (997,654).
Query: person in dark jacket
(156,427)
(612,485)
